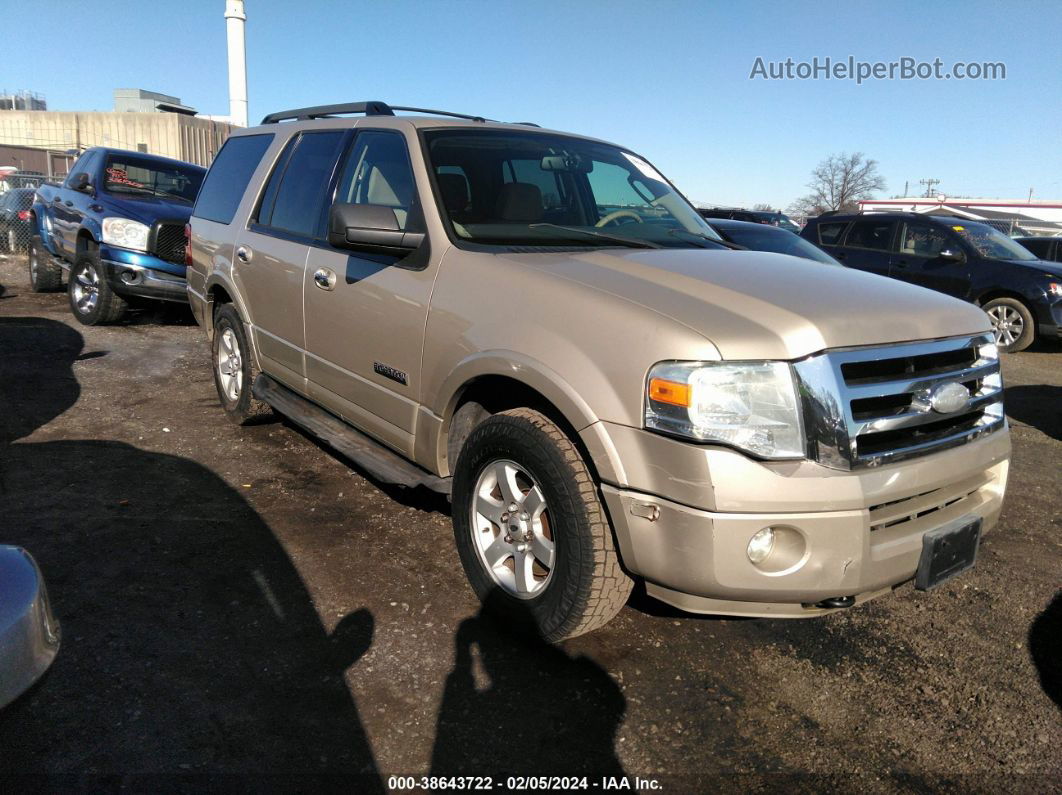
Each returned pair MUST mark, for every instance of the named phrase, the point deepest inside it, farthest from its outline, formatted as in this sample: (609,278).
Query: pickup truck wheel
(234,371)
(1012,322)
(45,275)
(92,300)
(531,532)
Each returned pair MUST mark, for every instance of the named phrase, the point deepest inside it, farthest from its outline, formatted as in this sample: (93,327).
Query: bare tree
(764,208)
(838,183)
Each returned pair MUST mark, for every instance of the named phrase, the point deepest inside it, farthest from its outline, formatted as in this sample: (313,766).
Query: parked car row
(1020,292)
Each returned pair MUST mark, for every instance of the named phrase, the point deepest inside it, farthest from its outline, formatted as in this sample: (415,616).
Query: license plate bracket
(948,551)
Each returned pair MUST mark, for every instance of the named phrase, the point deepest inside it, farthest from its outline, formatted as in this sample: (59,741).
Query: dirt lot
(239,601)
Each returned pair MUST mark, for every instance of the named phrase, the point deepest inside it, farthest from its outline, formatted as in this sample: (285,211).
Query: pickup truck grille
(169,242)
(871,406)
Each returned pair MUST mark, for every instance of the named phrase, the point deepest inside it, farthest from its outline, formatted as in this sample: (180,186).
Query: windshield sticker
(119,177)
(959,228)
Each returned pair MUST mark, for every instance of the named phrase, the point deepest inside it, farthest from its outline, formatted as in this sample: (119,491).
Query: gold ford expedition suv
(539,325)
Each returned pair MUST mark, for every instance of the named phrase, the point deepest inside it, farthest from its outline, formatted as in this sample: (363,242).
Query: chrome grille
(871,406)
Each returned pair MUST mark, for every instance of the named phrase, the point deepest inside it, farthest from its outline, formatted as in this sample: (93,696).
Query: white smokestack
(234,19)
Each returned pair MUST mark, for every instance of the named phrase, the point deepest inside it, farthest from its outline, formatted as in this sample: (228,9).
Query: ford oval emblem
(949,398)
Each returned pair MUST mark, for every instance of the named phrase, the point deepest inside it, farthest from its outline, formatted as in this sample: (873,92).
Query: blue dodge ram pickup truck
(117,224)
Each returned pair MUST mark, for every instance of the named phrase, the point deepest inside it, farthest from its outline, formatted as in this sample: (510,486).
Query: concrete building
(21,100)
(137,100)
(172,134)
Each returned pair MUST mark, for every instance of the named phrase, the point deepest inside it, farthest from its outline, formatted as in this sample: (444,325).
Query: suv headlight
(749,405)
(124,233)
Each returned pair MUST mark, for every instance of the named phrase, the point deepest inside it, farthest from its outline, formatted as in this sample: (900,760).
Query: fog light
(761,545)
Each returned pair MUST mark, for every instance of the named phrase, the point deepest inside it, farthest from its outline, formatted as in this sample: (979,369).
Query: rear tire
(45,275)
(92,300)
(550,565)
(234,370)
(1012,322)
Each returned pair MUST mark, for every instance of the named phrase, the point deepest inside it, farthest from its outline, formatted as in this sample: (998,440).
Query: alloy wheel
(511,529)
(86,289)
(230,365)
(1007,323)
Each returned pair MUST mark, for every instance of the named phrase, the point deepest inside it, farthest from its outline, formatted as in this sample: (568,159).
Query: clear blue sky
(669,79)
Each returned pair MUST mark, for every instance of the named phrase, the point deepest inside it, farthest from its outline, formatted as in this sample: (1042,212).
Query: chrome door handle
(324,278)
(243,254)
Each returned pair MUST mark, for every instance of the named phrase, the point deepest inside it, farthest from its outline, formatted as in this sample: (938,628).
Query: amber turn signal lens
(670,392)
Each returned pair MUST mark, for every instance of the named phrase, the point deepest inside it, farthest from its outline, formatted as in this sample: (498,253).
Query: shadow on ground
(1039,406)
(191,646)
(190,643)
(514,705)
(1045,647)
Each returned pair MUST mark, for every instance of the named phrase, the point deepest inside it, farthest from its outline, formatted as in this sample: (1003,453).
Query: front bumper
(29,633)
(855,533)
(133,274)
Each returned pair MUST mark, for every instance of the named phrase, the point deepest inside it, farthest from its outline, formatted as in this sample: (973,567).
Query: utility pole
(905,184)
(929,183)
(1030,195)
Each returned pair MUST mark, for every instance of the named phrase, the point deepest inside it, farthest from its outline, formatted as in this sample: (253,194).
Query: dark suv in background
(1020,293)
(769,217)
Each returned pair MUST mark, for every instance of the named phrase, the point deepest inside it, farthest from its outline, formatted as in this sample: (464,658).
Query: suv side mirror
(951,255)
(81,182)
(369,227)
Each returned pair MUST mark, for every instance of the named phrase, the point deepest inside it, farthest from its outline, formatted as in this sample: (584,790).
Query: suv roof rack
(371,108)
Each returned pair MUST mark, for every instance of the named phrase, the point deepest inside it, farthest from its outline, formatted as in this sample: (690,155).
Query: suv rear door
(270,257)
(918,259)
(868,244)
(365,313)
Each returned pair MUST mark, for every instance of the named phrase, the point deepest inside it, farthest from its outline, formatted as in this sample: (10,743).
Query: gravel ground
(239,602)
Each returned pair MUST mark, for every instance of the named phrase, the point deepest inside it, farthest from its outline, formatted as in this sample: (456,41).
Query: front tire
(45,275)
(1012,323)
(531,533)
(234,370)
(92,300)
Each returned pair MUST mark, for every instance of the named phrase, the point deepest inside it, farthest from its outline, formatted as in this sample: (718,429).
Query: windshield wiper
(725,243)
(621,239)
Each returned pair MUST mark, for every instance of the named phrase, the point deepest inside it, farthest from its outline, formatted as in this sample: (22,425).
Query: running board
(380,462)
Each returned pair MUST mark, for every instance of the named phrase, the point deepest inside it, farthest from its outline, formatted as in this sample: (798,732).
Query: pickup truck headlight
(124,233)
(752,406)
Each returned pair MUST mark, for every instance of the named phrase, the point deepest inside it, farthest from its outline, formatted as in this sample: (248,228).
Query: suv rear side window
(830,234)
(873,234)
(297,207)
(229,175)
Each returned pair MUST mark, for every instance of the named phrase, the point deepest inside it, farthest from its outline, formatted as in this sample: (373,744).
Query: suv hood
(1041,267)
(759,305)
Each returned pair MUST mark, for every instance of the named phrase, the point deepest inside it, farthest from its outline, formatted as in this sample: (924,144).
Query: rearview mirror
(81,181)
(369,227)
(575,164)
(951,255)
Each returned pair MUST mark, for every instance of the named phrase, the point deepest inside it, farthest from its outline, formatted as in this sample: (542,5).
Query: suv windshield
(991,243)
(524,188)
(142,177)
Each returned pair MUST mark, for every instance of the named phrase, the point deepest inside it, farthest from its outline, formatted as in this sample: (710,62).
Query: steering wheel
(615,216)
